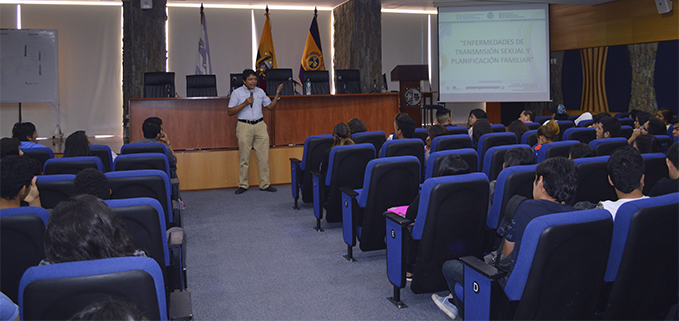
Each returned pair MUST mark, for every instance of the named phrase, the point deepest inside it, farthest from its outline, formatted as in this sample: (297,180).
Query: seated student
(641,118)
(675,131)
(93,182)
(554,185)
(652,126)
(26,134)
(608,127)
(513,157)
(10,146)
(77,144)
(341,136)
(474,115)
(647,144)
(518,128)
(434,131)
(17,182)
(153,133)
(356,126)
(84,228)
(547,133)
(665,115)
(596,119)
(527,116)
(443,117)
(558,112)
(581,150)
(393,135)
(480,128)
(626,174)
(669,185)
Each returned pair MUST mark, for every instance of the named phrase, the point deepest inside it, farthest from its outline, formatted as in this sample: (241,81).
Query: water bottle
(308,87)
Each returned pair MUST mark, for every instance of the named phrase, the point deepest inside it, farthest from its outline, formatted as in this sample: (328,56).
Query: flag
(203,64)
(266,56)
(312,57)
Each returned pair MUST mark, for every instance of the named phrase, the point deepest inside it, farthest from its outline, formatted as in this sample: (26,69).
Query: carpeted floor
(252,257)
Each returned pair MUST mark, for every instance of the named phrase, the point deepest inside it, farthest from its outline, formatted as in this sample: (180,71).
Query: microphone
(251,90)
(294,81)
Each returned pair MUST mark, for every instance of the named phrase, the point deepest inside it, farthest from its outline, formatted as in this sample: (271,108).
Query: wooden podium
(411,99)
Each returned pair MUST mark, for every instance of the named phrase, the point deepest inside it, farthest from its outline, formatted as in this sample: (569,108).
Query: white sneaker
(444,304)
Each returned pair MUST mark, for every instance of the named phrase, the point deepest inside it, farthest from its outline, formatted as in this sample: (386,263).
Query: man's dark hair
(22,131)
(452,165)
(559,176)
(442,115)
(625,168)
(16,172)
(110,309)
(643,117)
(247,73)
(406,125)
(610,125)
(156,120)
(673,154)
(436,130)
(633,113)
(84,228)
(356,126)
(93,182)
(480,128)
(150,129)
(667,114)
(9,146)
(518,128)
(597,118)
(582,150)
(647,144)
(530,114)
(519,156)
(77,144)
(656,126)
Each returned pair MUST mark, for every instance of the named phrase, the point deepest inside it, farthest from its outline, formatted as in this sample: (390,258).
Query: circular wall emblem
(313,62)
(413,96)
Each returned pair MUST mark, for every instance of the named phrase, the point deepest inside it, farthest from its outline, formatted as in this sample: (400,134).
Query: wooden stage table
(203,123)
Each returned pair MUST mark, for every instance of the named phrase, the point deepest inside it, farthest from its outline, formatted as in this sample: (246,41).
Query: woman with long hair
(77,144)
(547,133)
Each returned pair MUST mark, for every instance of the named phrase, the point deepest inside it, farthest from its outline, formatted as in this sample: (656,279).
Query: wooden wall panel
(614,23)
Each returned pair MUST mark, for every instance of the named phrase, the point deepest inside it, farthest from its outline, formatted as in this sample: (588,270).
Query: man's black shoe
(241,190)
(268,189)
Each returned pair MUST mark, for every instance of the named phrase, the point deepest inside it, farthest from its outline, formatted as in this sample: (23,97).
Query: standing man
(247,102)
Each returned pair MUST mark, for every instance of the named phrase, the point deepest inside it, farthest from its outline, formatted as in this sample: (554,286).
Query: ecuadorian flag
(266,56)
(312,58)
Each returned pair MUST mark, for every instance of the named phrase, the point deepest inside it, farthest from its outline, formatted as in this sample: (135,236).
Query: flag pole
(315,11)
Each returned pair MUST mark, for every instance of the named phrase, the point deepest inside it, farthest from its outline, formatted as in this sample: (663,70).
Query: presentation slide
(494,53)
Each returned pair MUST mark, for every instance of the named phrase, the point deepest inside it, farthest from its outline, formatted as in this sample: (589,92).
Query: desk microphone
(251,90)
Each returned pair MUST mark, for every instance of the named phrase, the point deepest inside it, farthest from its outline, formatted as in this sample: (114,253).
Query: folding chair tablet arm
(398,219)
(486,270)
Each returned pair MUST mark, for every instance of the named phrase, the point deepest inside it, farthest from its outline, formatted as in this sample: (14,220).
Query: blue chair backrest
(542,119)
(141,161)
(104,152)
(143,183)
(533,125)
(583,135)
(58,291)
(421,133)
(655,168)
(626,121)
(515,180)
(585,123)
(26,210)
(563,125)
(555,149)
(54,188)
(346,167)
(606,146)
(665,142)
(494,158)
(621,115)
(363,197)
(402,147)
(498,128)
(446,142)
(530,137)
(40,153)
(453,130)
(377,138)
(468,155)
(491,140)
(134,148)
(72,165)
(312,156)
(593,183)
(626,131)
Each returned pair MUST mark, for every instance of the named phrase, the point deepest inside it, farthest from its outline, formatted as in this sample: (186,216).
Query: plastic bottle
(308,87)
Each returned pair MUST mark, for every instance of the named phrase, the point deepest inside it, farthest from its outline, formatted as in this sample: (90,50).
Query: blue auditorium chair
(583,135)
(533,126)
(626,121)
(54,188)
(558,272)
(134,148)
(441,234)
(377,138)
(433,163)
(606,146)
(621,115)
(515,180)
(300,170)
(454,130)
(21,245)
(585,123)
(491,140)
(141,161)
(563,126)
(498,128)
(388,182)
(530,137)
(403,147)
(58,291)
(655,168)
(72,165)
(346,166)
(447,142)
(573,117)
(642,273)
(541,119)
(104,153)
(556,149)
(421,133)
(665,141)
(151,183)
(40,153)
(593,185)
(495,157)
(626,131)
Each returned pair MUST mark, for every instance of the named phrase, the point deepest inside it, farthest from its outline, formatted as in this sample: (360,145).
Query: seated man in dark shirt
(669,185)
(18,182)
(153,133)
(554,185)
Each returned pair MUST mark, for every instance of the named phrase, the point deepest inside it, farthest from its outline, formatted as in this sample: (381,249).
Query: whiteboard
(28,66)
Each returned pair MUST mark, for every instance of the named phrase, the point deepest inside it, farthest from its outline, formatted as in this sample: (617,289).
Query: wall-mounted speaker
(664,6)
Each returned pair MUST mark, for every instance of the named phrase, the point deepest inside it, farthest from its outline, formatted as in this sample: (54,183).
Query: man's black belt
(251,122)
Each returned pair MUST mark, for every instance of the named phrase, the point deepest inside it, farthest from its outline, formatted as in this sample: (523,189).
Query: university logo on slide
(490,15)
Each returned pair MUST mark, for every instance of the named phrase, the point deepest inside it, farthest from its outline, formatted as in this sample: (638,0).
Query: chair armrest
(175,236)
(315,173)
(295,160)
(350,192)
(174,181)
(398,219)
(481,267)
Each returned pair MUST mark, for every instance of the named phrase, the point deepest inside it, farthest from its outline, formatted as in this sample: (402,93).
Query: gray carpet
(252,257)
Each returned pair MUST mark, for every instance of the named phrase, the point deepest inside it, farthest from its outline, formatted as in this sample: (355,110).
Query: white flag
(204,64)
